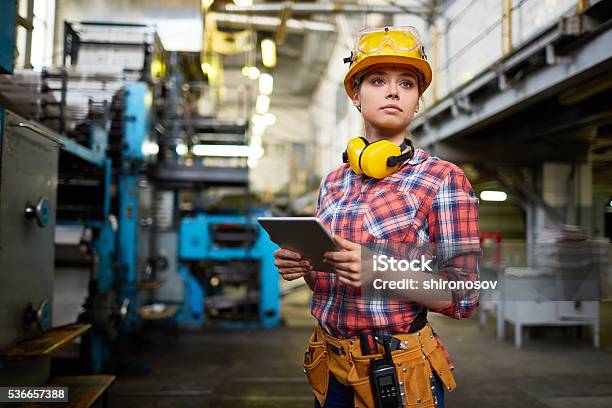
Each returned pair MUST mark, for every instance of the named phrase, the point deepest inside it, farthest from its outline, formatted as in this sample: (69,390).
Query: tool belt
(415,366)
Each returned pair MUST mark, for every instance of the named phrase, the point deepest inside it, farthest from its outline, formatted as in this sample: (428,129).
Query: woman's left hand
(347,261)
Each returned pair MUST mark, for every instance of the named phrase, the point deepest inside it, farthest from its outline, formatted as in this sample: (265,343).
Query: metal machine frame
(196,243)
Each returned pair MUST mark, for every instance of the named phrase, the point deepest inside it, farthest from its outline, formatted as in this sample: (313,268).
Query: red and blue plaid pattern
(426,200)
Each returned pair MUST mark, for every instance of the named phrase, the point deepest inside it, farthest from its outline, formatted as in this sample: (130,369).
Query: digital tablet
(304,235)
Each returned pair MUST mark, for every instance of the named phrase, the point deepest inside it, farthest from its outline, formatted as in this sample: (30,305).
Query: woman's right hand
(290,264)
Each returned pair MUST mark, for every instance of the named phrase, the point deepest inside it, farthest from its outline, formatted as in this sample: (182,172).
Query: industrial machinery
(28,214)
(71,168)
(81,189)
(112,288)
(222,256)
(227,266)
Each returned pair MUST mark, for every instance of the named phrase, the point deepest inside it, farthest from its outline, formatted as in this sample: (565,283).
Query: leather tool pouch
(316,367)
(415,369)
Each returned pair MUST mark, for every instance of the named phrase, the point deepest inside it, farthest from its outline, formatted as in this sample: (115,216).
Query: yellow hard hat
(388,45)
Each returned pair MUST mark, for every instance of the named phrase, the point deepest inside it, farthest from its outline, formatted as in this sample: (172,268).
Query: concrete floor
(257,368)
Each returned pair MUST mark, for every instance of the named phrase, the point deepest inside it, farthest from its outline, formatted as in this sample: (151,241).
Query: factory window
(34,39)
(42,36)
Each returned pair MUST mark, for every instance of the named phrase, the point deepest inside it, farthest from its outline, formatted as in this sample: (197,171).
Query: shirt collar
(419,157)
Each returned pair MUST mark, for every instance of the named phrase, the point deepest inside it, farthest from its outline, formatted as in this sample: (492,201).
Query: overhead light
(149,148)
(258,130)
(252,163)
(253,73)
(206,67)
(492,195)
(181,149)
(256,152)
(266,84)
(256,119)
(243,3)
(263,104)
(268,53)
(256,140)
(221,150)
(259,126)
(206,4)
(268,119)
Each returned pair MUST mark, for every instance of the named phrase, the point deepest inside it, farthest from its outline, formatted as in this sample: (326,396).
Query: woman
(387,192)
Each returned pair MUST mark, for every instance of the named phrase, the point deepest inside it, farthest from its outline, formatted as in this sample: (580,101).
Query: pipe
(320,8)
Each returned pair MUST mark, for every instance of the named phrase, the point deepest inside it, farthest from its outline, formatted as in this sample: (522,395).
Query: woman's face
(388,97)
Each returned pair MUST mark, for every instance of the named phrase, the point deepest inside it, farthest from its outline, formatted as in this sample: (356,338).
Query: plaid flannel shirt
(428,200)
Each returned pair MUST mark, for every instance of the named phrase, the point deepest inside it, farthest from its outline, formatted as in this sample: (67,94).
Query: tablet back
(305,235)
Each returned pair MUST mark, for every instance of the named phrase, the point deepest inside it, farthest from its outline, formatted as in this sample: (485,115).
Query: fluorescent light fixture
(263,104)
(253,73)
(243,3)
(181,149)
(256,152)
(149,148)
(259,124)
(294,25)
(257,119)
(205,67)
(256,140)
(268,53)
(492,195)
(221,150)
(269,119)
(266,84)
(258,130)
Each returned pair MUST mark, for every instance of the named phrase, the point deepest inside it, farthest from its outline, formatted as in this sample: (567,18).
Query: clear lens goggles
(401,39)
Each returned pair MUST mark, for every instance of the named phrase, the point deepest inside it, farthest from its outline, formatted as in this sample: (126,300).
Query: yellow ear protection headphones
(377,159)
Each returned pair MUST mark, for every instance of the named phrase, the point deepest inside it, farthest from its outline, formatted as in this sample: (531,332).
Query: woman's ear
(356,100)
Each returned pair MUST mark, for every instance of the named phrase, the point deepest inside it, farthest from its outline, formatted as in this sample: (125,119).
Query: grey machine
(28,185)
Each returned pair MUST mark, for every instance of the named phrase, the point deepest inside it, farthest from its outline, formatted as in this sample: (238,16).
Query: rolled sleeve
(453,229)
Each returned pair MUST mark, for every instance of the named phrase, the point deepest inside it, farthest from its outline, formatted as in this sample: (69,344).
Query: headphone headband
(395,160)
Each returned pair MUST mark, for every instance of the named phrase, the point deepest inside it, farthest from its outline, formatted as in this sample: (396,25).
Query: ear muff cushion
(373,159)
(353,151)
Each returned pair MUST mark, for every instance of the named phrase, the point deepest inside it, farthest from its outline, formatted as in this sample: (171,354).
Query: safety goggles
(402,39)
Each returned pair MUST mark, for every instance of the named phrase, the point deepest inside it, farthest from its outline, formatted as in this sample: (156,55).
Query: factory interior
(133,269)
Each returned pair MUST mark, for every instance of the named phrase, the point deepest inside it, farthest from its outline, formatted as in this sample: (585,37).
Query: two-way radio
(383,376)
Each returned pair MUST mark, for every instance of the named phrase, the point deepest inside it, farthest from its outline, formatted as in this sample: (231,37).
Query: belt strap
(419,321)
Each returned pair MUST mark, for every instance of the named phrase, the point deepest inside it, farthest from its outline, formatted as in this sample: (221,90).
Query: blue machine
(135,133)
(111,304)
(208,241)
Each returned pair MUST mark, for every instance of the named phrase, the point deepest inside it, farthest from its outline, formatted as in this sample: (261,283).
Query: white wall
(470,36)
